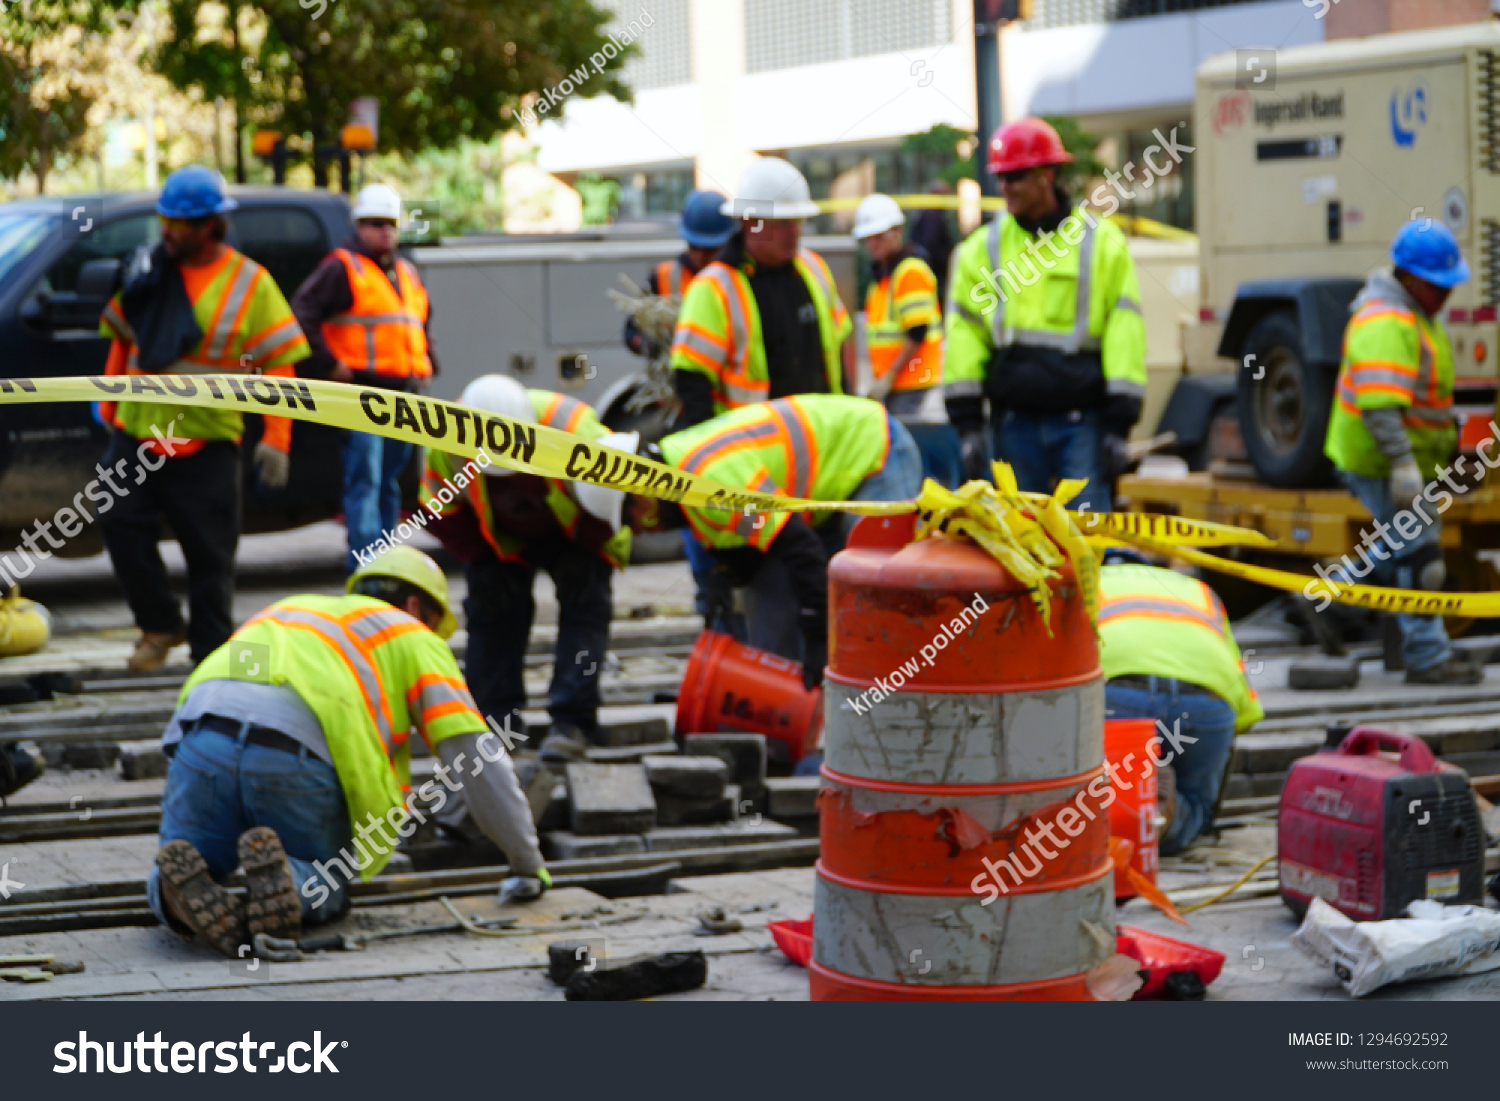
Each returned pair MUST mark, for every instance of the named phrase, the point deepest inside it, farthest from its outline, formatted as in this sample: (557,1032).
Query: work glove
(272,467)
(974,456)
(1114,458)
(1406,482)
(525,888)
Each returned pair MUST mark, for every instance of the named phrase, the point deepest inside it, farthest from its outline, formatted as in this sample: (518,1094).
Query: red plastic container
(1162,956)
(731,687)
(1133,813)
(794,938)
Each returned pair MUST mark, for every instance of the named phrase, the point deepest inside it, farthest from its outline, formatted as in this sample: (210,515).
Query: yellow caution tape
(431,422)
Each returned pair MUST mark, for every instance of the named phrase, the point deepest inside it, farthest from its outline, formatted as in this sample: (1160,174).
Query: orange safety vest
(673,277)
(905,298)
(382,331)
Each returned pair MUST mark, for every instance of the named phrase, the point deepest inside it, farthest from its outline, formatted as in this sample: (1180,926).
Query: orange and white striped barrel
(965,830)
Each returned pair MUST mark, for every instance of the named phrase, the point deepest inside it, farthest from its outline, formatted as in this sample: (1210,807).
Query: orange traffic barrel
(964,822)
(731,687)
(1127,747)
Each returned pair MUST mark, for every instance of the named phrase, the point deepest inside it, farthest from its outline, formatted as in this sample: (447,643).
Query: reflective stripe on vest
(563,412)
(435,695)
(214,358)
(363,337)
(672,277)
(1159,608)
(801,448)
(1069,343)
(1427,409)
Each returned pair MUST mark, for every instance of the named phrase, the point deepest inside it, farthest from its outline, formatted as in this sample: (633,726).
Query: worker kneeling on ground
(1391,431)
(816,447)
(504,525)
(1168,654)
(290,758)
(904,328)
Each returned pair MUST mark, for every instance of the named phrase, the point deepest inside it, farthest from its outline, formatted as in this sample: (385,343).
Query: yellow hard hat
(415,568)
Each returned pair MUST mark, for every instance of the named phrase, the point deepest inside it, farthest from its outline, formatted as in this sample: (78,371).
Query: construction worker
(819,447)
(1391,431)
(192,305)
(367,318)
(290,758)
(1168,654)
(504,526)
(704,230)
(764,319)
(903,330)
(1044,320)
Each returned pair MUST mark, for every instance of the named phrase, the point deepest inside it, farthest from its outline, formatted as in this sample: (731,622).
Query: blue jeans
(714,599)
(938,444)
(1040,448)
(218,787)
(1203,725)
(1424,640)
(372,498)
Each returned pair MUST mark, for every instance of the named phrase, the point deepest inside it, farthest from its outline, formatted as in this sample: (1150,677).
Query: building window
(643,194)
(785,34)
(665,53)
(1071,13)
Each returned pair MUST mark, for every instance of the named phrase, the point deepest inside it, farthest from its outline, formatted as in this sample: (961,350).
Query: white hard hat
(605,503)
(876,214)
(503,396)
(377,200)
(771,188)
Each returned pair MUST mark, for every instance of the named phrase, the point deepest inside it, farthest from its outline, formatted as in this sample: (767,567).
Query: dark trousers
(199,495)
(500,609)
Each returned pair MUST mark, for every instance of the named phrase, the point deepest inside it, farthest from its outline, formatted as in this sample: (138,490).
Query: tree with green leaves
(443,70)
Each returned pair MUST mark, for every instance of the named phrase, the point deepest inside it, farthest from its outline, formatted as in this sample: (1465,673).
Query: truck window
(19,236)
(286,241)
(113,240)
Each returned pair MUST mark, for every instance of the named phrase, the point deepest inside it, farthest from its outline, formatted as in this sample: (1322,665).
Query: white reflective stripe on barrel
(963,738)
(1016,939)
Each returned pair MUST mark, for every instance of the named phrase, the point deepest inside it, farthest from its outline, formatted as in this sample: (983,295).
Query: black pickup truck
(59,260)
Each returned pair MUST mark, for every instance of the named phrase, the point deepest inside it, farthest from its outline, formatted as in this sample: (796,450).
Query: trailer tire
(1284,413)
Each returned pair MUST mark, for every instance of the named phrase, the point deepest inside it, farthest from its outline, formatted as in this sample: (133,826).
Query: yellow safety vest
(1155,622)
(370,673)
(444,470)
(719,331)
(818,447)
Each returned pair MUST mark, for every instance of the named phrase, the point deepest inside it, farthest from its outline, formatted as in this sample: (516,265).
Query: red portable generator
(1375,823)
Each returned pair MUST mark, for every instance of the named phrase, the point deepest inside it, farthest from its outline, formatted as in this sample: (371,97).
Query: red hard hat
(1026,143)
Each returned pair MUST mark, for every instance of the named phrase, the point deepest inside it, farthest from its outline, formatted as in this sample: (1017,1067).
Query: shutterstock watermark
(1408,525)
(70,519)
(1072,820)
(553,96)
(897,677)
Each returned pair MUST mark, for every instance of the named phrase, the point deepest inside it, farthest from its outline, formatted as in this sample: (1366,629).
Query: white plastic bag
(1431,942)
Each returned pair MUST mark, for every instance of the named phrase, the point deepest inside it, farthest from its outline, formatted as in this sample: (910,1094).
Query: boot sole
(211,912)
(273,907)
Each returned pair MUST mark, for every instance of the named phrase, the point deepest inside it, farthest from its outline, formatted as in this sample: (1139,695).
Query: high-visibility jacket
(1072,291)
(905,298)
(1156,622)
(719,330)
(445,472)
(383,330)
(247,328)
(1395,357)
(370,673)
(673,276)
(819,447)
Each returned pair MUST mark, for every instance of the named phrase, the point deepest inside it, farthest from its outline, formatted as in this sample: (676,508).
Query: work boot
(193,898)
(151,650)
(272,906)
(18,767)
(565,743)
(1454,670)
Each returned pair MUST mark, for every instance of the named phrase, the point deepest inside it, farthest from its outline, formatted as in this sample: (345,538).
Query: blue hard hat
(1428,250)
(702,226)
(194,192)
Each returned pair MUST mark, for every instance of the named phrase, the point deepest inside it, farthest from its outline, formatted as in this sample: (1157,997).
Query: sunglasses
(378,223)
(1016,175)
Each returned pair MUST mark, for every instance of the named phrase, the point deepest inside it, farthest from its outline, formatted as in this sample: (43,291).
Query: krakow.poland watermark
(552,98)
(947,632)
(451,490)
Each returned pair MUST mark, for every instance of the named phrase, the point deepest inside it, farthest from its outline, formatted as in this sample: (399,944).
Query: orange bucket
(1133,813)
(730,687)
